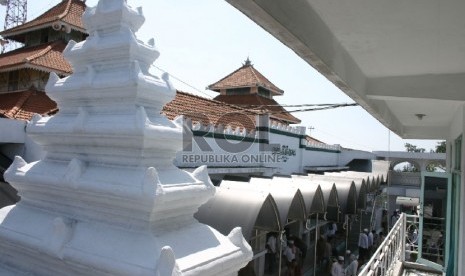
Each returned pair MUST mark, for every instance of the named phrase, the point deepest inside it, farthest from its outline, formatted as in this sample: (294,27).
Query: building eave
(33,67)
(392,79)
(8,35)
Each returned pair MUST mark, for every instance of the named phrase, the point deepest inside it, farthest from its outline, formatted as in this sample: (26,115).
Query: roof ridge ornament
(247,62)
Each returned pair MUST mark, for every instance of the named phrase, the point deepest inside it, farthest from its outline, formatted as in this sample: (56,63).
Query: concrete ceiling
(396,58)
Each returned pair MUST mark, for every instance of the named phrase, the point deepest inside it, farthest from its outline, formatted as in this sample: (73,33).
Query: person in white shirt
(351,269)
(395,216)
(370,242)
(270,256)
(375,239)
(292,254)
(337,269)
(363,245)
(331,230)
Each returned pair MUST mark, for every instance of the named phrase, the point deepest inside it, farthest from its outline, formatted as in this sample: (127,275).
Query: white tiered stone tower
(106,199)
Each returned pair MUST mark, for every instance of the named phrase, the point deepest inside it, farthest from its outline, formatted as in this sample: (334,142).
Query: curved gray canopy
(377,180)
(313,196)
(360,185)
(381,178)
(311,193)
(329,192)
(381,168)
(289,200)
(346,192)
(371,185)
(362,192)
(230,208)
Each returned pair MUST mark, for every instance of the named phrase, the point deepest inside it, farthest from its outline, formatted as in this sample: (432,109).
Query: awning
(346,191)
(289,200)
(372,181)
(329,192)
(250,210)
(312,194)
(381,168)
(362,192)
(313,197)
(360,185)
(382,179)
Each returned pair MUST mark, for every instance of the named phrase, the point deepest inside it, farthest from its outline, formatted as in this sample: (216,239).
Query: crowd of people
(368,242)
(338,268)
(293,250)
(326,255)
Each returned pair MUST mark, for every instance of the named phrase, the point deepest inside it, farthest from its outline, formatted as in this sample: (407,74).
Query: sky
(201,42)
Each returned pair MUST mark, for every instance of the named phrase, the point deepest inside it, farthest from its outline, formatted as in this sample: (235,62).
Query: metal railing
(390,252)
(412,231)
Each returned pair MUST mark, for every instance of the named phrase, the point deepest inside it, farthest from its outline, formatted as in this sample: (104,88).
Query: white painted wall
(12,131)
(315,157)
(293,160)
(290,157)
(348,155)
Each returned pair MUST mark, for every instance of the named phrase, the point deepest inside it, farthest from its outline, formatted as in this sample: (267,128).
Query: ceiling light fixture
(420,116)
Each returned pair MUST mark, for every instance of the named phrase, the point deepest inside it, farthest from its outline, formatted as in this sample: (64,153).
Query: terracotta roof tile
(208,111)
(47,57)
(23,105)
(245,76)
(314,140)
(259,103)
(67,11)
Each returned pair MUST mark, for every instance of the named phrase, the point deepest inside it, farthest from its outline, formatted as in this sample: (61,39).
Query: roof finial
(247,62)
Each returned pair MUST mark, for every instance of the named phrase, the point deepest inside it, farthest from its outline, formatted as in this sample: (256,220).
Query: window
(264,93)
(44,36)
(238,91)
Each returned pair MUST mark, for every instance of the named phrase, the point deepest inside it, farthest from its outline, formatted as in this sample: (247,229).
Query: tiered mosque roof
(45,57)
(245,76)
(67,14)
(25,104)
(251,90)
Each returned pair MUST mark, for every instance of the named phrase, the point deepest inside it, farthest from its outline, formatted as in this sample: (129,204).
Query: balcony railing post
(402,237)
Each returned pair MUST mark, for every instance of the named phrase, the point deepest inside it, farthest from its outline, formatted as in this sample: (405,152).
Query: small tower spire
(247,62)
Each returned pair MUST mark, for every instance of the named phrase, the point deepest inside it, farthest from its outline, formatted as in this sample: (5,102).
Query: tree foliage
(408,167)
(431,167)
(413,148)
(441,147)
